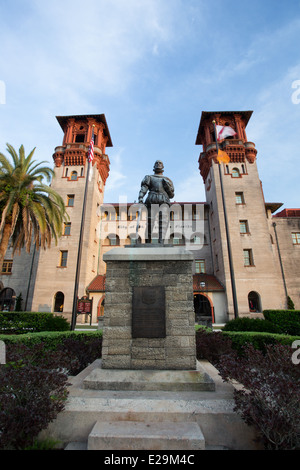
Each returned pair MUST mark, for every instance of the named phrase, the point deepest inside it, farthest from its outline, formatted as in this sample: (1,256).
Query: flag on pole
(91,149)
(223,157)
(224,131)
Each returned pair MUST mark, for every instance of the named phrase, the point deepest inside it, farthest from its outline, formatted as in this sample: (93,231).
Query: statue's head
(158,167)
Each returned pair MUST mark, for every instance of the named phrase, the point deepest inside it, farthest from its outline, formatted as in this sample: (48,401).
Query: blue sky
(152,67)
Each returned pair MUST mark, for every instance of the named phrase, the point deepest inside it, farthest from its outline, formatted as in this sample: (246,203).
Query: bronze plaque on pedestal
(148,312)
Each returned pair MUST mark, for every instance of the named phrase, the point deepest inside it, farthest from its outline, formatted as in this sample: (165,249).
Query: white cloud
(96,43)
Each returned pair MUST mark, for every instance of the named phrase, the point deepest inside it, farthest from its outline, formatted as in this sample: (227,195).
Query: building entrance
(203,313)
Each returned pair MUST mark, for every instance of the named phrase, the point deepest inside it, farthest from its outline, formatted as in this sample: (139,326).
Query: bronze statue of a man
(160,189)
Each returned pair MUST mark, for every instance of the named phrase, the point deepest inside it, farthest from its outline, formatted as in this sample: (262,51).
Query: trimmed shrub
(37,355)
(30,398)
(270,398)
(251,324)
(287,320)
(259,340)
(22,322)
(50,339)
(73,350)
(212,345)
(85,350)
(290,303)
(33,382)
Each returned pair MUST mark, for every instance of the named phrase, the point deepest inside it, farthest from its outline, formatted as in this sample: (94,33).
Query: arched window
(133,240)
(254,302)
(177,239)
(100,307)
(235,173)
(74,176)
(199,239)
(59,299)
(114,240)
(7,299)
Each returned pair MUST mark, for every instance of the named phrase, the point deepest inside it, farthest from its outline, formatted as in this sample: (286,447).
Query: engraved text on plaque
(148,312)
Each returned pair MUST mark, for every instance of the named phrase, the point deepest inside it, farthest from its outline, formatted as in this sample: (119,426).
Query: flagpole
(75,297)
(233,287)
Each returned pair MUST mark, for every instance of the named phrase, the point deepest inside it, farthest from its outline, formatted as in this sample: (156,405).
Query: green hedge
(257,339)
(20,322)
(287,320)
(49,339)
(252,324)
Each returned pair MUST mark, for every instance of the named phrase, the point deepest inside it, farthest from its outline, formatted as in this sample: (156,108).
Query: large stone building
(246,254)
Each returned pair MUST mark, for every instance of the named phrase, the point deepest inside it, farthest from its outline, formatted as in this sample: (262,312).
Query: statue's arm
(169,187)
(144,188)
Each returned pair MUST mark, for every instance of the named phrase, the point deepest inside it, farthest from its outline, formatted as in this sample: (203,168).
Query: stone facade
(255,266)
(52,275)
(273,269)
(138,267)
(285,232)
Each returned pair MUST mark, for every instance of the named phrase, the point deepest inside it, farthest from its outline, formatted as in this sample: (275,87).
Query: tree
(30,211)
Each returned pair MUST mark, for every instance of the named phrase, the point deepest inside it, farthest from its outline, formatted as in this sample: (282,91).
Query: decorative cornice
(236,149)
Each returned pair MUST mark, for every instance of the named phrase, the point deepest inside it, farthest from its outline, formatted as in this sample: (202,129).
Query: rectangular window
(239,198)
(200,266)
(248,258)
(244,226)
(296,238)
(67,228)
(63,259)
(70,200)
(7,266)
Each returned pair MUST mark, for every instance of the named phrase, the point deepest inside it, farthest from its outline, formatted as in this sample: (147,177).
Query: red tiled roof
(97,284)
(211,283)
(288,213)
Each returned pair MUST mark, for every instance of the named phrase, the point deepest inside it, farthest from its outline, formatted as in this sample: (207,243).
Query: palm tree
(30,211)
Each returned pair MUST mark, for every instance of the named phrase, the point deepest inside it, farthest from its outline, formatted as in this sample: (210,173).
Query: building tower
(55,277)
(254,263)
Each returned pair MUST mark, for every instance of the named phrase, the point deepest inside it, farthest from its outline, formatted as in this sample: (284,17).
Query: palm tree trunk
(4,243)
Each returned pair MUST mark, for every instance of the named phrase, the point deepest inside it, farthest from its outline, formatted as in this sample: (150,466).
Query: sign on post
(85,307)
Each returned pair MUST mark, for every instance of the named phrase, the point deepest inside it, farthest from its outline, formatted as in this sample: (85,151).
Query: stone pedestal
(151,287)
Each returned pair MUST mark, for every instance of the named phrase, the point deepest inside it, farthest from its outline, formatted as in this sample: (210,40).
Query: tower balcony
(238,151)
(74,154)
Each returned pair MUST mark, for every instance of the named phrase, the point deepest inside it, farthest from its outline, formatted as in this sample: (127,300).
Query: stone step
(134,435)
(147,380)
